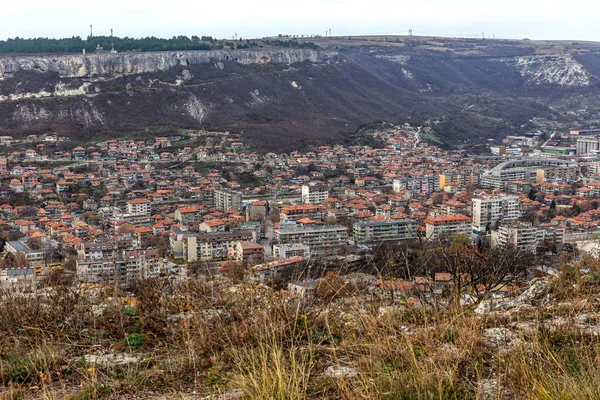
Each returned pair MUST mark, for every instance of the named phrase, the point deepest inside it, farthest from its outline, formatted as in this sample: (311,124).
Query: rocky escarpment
(282,99)
(79,66)
(559,70)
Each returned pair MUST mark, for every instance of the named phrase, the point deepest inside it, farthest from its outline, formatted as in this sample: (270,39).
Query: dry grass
(210,339)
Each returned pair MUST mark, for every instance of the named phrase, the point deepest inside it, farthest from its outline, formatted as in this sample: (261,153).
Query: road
(417,136)
(268,240)
(551,137)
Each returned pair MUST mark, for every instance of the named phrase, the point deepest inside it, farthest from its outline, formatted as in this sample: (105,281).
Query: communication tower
(112,43)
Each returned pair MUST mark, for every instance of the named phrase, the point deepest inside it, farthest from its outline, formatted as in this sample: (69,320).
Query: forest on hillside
(76,44)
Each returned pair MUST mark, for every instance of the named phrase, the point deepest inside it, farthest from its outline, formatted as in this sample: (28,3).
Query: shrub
(135,340)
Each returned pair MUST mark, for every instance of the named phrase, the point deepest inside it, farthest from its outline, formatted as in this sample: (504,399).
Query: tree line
(76,44)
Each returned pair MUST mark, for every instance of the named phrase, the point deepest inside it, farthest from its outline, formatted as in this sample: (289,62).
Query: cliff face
(80,66)
(283,99)
(560,70)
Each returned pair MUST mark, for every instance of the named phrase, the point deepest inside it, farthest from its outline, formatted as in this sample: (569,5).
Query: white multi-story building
(522,237)
(97,250)
(490,210)
(139,207)
(321,239)
(228,200)
(141,264)
(35,258)
(211,246)
(281,251)
(424,184)
(314,194)
(295,213)
(371,232)
(447,225)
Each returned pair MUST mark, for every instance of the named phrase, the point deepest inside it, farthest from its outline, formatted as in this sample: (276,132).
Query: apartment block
(423,184)
(447,225)
(101,270)
(139,207)
(226,199)
(35,258)
(247,252)
(393,230)
(188,215)
(314,194)
(490,210)
(523,237)
(142,264)
(281,251)
(320,239)
(295,213)
(211,246)
(527,237)
(97,250)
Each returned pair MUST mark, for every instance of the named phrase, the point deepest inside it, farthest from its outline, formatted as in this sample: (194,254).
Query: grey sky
(536,19)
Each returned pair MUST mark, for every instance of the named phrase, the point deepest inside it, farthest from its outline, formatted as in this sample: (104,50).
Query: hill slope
(282,99)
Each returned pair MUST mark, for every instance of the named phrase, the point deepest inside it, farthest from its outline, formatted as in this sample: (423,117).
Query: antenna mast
(112,43)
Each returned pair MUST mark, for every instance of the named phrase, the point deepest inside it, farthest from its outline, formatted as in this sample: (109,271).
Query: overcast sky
(535,19)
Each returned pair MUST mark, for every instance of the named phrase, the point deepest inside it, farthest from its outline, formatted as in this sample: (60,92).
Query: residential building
(295,213)
(303,289)
(493,209)
(320,239)
(521,236)
(248,252)
(281,251)
(97,250)
(393,230)
(139,207)
(278,268)
(211,246)
(226,199)
(314,194)
(524,236)
(447,225)
(142,264)
(257,211)
(23,278)
(188,215)
(423,184)
(36,258)
(103,270)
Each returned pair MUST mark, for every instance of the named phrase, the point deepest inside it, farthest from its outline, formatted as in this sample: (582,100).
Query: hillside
(281,99)
(218,340)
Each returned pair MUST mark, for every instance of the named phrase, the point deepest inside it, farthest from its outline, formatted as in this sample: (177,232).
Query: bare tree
(481,271)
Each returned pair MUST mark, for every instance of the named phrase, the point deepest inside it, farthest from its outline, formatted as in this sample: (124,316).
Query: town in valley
(120,210)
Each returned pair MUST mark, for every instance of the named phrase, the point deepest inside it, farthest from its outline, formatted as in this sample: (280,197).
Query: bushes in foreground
(205,338)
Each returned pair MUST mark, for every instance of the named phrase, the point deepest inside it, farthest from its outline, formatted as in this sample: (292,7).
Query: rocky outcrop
(553,70)
(286,98)
(80,66)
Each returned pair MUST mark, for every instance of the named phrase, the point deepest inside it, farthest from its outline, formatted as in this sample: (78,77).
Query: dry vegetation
(173,341)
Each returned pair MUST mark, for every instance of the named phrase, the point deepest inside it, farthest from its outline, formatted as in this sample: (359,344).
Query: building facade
(370,232)
(320,239)
(449,225)
(226,199)
(211,246)
(314,194)
(490,210)
(139,207)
